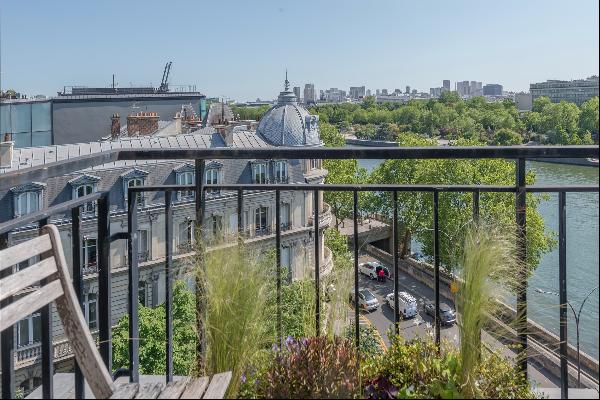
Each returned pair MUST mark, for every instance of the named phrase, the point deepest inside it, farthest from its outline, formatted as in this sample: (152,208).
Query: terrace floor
(149,387)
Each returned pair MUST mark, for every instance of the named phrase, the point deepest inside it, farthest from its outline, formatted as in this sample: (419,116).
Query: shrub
(368,345)
(316,367)
(415,369)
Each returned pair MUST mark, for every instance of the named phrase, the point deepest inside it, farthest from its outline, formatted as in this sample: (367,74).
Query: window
(134,178)
(285,216)
(315,164)
(259,173)
(212,178)
(186,235)
(143,252)
(90,308)
(84,190)
(217,226)
(29,330)
(142,293)
(27,202)
(89,253)
(185,178)
(260,219)
(134,183)
(281,171)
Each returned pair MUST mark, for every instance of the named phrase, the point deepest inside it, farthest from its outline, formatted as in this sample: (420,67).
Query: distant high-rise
(576,91)
(377,92)
(368,92)
(309,93)
(492,89)
(297,93)
(357,92)
(462,88)
(407,89)
(384,92)
(446,84)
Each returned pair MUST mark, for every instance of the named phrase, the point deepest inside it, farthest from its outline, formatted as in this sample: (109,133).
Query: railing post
(396,255)
(169,285)
(47,351)
(436,262)
(476,196)
(278,256)
(317,264)
(132,254)
(200,167)
(104,282)
(355,240)
(562,284)
(240,211)
(8,342)
(521,208)
(77,284)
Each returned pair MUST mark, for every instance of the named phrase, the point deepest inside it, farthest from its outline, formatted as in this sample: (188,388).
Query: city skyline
(73,47)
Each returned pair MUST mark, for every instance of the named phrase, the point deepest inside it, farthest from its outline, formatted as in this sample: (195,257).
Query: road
(422,325)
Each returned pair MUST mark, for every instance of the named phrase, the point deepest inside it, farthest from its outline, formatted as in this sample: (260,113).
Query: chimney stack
(178,123)
(115,127)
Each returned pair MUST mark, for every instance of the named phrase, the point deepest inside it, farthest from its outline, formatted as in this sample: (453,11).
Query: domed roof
(289,124)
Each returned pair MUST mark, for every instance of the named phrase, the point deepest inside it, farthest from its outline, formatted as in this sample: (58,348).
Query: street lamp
(576,314)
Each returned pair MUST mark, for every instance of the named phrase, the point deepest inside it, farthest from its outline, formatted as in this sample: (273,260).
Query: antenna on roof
(286,84)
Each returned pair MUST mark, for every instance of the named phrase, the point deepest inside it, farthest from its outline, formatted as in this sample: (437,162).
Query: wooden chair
(58,288)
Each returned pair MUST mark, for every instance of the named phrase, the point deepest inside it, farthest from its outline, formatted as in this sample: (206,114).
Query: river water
(582,253)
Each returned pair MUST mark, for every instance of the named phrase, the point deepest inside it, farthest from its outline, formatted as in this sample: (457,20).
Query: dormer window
(213,176)
(185,175)
(82,186)
(27,198)
(315,164)
(281,171)
(259,172)
(134,178)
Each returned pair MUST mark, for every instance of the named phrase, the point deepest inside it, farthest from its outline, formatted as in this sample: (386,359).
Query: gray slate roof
(203,139)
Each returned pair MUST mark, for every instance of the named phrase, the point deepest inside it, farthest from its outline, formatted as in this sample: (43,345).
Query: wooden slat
(173,390)
(29,304)
(195,389)
(218,386)
(149,390)
(24,251)
(76,328)
(126,391)
(22,279)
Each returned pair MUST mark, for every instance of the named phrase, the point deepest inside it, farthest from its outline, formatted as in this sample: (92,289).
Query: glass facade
(29,123)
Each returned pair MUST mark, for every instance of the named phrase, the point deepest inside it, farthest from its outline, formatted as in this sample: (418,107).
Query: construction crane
(164,84)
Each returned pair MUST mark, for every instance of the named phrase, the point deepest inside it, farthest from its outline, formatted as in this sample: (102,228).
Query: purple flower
(243,378)
(289,341)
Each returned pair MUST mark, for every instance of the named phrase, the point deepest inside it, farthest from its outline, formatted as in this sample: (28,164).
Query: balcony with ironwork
(48,351)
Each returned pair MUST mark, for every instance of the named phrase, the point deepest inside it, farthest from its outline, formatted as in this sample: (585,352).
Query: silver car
(366,300)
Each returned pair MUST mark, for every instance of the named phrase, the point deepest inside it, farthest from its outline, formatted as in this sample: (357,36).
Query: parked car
(366,300)
(372,268)
(447,314)
(407,304)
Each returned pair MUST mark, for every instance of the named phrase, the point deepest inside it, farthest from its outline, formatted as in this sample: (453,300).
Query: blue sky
(240,49)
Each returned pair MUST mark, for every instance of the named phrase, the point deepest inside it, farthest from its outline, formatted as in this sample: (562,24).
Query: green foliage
(153,334)
(588,119)
(237,290)
(455,209)
(316,367)
(488,258)
(298,308)
(368,345)
(254,113)
(507,137)
(415,369)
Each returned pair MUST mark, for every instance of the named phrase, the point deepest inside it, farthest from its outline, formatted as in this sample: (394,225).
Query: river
(582,252)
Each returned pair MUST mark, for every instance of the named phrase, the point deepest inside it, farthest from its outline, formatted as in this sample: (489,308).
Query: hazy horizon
(240,50)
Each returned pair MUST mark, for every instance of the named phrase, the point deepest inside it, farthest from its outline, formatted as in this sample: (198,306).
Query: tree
(540,103)
(153,335)
(455,210)
(588,119)
(506,137)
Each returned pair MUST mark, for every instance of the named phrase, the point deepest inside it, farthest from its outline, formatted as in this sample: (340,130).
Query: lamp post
(577,315)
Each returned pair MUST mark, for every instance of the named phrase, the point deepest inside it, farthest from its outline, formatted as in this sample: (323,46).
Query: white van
(406,302)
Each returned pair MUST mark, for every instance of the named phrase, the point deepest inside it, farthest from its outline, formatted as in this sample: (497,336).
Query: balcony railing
(105,238)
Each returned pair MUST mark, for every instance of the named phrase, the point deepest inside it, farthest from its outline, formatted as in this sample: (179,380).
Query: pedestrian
(381,275)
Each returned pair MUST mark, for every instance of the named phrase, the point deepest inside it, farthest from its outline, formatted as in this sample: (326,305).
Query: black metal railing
(519,189)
